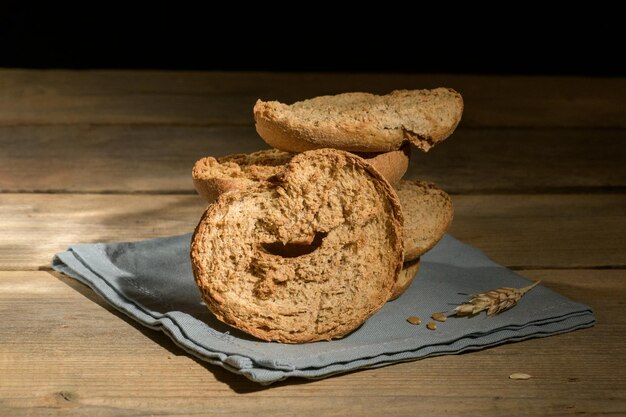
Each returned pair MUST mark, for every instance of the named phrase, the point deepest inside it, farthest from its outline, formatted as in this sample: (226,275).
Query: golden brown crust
(361,122)
(428,209)
(392,165)
(215,176)
(428,213)
(405,278)
(320,295)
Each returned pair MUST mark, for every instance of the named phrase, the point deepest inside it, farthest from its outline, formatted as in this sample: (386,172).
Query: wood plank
(35,226)
(112,159)
(520,160)
(520,231)
(204,98)
(64,352)
(159,159)
(544,231)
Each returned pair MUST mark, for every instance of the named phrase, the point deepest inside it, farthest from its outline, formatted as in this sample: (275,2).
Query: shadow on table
(237,383)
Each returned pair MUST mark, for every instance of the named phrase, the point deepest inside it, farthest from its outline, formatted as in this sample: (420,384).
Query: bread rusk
(332,198)
(214,176)
(428,210)
(361,122)
(428,213)
(405,278)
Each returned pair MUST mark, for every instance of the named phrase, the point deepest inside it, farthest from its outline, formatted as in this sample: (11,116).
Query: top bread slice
(214,176)
(361,122)
(249,281)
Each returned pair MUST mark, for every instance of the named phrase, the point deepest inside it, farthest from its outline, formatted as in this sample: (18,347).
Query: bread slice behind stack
(428,213)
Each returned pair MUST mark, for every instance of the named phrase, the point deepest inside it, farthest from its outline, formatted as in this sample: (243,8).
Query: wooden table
(537,170)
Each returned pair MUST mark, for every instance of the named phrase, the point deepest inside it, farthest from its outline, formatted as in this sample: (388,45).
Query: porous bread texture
(361,122)
(428,213)
(405,278)
(428,210)
(214,176)
(355,221)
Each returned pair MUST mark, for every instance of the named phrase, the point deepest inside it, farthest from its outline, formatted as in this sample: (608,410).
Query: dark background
(181,36)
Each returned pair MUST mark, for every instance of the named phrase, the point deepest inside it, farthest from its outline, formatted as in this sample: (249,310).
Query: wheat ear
(494,301)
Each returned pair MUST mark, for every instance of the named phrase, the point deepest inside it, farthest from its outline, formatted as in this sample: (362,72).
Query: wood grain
(112,159)
(525,160)
(520,231)
(123,159)
(537,166)
(193,98)
(38,225)
(65,352)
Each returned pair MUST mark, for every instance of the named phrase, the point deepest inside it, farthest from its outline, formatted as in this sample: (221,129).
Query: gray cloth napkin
(151,281)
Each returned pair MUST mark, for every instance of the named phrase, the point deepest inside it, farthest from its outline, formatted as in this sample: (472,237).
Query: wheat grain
(439,317)
(494,301)
(519,376)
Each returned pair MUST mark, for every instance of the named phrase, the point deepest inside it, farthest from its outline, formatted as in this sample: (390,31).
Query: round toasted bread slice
(428,213)
(428,209)
(361,122)
(215,176)
(334,200)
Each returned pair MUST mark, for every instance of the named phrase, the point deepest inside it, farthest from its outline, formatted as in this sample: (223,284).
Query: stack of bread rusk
(306,241)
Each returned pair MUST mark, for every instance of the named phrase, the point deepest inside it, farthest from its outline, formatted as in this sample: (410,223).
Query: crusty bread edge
(281,134)
(397,222)
(276,134)
(426,143)
(410,255)
(408,273)
(391,165)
